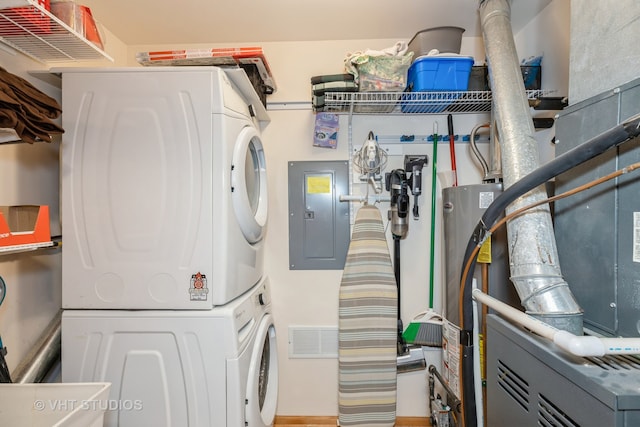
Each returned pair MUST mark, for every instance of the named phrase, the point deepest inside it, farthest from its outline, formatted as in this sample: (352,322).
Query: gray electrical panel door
(319,231)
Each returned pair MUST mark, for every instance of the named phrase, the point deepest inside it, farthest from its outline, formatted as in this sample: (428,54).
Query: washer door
(249,184)
(262,387)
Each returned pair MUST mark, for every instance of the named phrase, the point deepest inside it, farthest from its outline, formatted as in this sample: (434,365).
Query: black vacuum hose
(572,158)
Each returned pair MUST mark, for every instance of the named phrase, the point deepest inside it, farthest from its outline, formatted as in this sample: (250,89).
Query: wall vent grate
(313,342)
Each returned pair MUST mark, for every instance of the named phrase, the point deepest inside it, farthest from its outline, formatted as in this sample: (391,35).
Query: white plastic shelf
(29,28)
(455,102)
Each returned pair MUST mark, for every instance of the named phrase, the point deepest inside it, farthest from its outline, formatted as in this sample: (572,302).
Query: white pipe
(578,345)
(477,371)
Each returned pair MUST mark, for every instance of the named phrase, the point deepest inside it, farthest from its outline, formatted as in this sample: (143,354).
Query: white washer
(164,193)
(182,368)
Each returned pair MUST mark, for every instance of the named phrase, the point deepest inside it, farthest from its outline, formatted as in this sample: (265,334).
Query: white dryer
(164,193)
(182,368)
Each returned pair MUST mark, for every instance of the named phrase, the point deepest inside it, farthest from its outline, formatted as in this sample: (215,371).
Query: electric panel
(319,230)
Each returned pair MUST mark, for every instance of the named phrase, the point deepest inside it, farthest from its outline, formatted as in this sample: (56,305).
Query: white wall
(548,35)
(604,46)
(300,298)
(310,298)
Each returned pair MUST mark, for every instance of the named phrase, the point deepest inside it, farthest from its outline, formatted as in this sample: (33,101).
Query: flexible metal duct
(534,263)
(42,356)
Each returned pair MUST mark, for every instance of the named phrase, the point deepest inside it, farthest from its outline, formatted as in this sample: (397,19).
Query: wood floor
(295,421)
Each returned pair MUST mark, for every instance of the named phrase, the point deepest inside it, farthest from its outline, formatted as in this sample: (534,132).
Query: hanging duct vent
(535,268)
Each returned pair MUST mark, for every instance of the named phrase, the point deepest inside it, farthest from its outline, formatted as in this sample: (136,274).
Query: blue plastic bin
(435,74)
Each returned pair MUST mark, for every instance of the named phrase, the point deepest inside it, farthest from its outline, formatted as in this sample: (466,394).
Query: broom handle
(452,150)
(434,162)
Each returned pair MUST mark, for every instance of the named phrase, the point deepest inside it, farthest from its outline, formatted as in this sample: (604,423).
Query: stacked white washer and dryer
(164,209)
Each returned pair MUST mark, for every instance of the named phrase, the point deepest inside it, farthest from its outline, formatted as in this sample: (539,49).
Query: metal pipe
(534,263)
(42,356)
(495,171)
(452,399)
(476,151)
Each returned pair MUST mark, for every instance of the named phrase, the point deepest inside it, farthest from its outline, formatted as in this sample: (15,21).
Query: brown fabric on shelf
(7,97)
(27,93)
(33,110)
(8,119)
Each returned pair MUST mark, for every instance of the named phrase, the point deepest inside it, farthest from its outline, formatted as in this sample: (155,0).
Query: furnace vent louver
(549,415)
(514,385)
(593,392)
(616,362)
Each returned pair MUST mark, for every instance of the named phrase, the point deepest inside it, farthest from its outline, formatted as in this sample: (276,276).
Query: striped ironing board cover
(367,327)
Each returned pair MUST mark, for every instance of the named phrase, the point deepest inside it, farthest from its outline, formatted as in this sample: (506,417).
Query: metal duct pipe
(534,264)
(495,157)
(42,356)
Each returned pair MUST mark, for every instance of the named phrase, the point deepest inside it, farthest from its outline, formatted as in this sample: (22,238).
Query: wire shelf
(414,102)
(29,28)
(9,250)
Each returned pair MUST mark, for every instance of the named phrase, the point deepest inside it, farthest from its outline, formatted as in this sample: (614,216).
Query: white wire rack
(414,102)
(29,28)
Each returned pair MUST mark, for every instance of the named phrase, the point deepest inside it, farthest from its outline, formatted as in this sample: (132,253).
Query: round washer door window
(262,387)
(249,184)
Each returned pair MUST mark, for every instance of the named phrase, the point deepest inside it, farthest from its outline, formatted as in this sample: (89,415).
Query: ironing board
(367,327)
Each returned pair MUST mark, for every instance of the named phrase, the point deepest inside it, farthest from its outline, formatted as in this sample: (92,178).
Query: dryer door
(262,387)
(249,184)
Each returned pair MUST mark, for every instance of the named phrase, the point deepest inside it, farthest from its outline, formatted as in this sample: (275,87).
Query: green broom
(426,328)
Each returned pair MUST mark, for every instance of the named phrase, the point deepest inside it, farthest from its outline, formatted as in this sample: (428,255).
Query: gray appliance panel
(594,229)
(463,206)
(628,283)
(530,382)
(319,229)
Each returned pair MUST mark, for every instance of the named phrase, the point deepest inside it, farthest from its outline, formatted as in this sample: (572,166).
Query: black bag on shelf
(330,83)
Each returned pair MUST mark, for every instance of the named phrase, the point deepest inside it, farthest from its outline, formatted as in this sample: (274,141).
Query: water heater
(463,206)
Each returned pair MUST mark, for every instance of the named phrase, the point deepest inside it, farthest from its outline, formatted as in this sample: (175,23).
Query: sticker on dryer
(198,287)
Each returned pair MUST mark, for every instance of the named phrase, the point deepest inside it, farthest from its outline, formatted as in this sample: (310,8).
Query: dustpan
(425,329)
